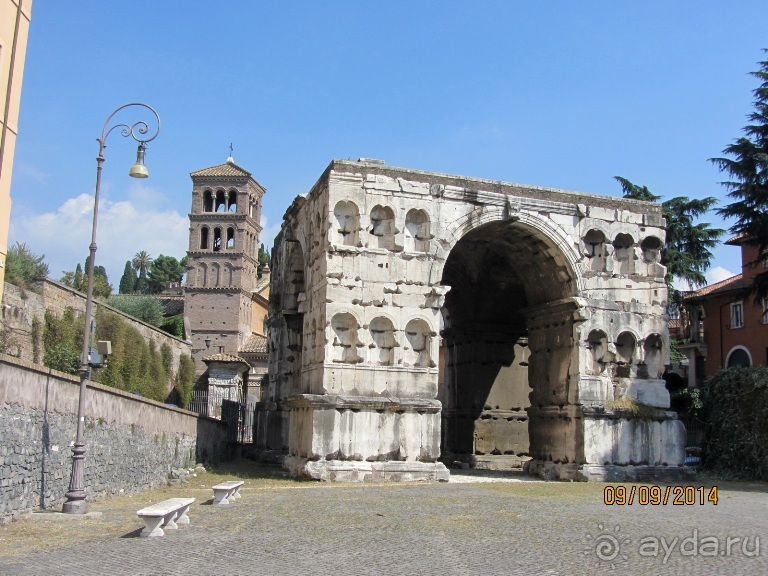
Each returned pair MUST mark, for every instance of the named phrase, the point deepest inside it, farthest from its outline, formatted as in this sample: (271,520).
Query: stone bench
(166,514)
(226,491)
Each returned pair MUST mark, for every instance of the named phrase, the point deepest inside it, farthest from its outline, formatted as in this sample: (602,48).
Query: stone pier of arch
(423,321)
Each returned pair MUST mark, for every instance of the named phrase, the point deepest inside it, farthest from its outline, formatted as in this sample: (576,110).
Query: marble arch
(505,277)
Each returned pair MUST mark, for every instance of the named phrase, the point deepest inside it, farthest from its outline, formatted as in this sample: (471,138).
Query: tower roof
(227,170)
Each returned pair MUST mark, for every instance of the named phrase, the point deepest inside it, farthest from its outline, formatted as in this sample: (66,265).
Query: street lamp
(76,503)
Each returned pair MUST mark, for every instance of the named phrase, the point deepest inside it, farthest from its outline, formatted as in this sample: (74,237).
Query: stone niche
(423,321)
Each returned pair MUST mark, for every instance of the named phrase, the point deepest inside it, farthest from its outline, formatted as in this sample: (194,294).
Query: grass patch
(633,408)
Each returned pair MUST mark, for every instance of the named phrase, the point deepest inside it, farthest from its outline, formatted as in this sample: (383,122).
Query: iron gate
(239,419)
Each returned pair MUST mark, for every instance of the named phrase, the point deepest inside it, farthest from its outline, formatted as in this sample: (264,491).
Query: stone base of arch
(352,471)
(611,446)
(364,438)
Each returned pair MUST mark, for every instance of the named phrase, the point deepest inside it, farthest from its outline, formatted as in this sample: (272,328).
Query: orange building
(728,327)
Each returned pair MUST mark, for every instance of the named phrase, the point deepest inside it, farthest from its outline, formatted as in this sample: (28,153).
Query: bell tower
(222,269)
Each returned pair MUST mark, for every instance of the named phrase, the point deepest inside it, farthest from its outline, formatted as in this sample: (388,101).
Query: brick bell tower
(222,269)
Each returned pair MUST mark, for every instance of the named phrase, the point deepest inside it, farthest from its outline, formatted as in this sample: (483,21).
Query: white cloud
(124,228)
(268,233)
(713,275)
(718,274)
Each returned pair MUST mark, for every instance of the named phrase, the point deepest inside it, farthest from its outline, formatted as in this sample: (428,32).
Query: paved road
(457,528)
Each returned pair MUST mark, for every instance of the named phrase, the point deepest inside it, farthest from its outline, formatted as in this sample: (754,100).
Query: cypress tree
(128,281)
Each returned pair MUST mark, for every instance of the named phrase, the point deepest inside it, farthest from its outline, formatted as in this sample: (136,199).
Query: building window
(737,315)
(765,310)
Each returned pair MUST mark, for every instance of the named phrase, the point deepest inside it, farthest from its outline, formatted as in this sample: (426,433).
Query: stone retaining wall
(132,442)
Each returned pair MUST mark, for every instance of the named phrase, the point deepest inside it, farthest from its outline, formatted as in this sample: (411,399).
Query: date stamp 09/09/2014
(653,495)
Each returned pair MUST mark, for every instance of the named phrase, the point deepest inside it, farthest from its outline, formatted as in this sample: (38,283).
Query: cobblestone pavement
(463,527)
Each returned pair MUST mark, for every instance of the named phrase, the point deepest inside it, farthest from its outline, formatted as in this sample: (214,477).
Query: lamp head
(138,170)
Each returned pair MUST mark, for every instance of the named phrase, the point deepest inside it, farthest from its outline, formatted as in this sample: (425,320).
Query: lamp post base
(75,507)
(76,503)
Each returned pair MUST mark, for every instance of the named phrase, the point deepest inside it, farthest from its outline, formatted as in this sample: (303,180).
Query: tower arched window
(221,201)
(204,238)
(207,201)
(216,239)
(232,201)
(230,238)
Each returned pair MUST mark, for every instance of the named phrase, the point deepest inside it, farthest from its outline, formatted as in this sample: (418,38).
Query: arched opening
(651,247)
(417,231)
(653,357)
(230,238)
(347,223)
(594,249)
(207,201)
(508,327)
(382,342)
(221,201)
(232,201)
(216,239)
(739,358)
(345,338)
(204,238)
(418,348)
(622,253)
(382,228)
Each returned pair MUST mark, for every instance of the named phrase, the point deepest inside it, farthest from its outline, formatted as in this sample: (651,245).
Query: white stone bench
(226,491)
(166,514)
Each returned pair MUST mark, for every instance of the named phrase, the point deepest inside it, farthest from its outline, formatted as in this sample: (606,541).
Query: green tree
(141,306)
(24,268)
(128,280)
(141,262)
(62,340)
(185,379)
(263,255)
(687,253)
(79,281)
(163,271)
(747,167)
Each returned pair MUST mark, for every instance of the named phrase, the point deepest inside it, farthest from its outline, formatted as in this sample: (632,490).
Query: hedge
(736,410)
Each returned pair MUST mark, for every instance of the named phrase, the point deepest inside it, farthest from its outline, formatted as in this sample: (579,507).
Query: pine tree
(747,167)
(128,280)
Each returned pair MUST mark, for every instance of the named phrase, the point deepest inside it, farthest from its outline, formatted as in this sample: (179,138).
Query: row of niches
(379,343)
(224,201)
(383,229)
(622,253)
(626,357)
(215,275)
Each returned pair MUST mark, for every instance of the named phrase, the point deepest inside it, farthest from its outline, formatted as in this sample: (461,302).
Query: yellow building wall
(14,28)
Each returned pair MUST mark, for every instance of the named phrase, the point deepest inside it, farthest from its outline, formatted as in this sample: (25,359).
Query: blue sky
(558,94)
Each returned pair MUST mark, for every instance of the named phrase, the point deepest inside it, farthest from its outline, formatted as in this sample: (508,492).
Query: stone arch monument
(421,319)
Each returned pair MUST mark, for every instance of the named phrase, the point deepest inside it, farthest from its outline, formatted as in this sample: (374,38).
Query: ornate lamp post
(76,503)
